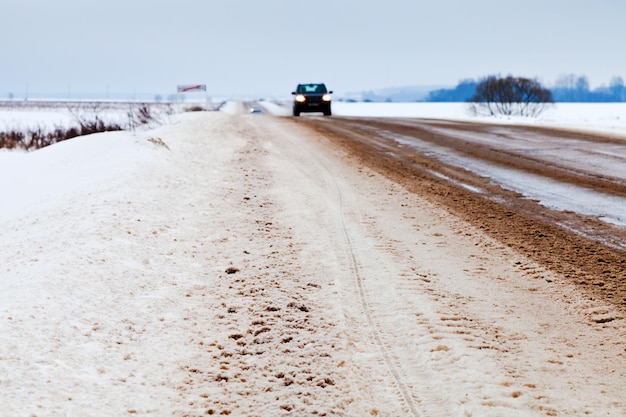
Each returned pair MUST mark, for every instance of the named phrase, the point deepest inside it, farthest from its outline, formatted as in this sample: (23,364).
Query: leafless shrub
(144,114)
(11,140)
(509,96)
(39,137)
(97,126)
(86,115)
(89,117)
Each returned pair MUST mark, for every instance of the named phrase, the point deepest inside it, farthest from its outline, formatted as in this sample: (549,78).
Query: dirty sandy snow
(238,264)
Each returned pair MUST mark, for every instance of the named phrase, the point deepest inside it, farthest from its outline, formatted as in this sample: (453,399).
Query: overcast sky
(262,47)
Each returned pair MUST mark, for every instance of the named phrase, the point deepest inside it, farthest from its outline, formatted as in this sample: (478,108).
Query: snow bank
(31,181)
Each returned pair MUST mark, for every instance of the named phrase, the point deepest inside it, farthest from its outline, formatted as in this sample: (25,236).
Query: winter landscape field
(228,263)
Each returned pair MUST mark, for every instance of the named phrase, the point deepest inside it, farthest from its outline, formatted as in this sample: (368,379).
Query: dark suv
(311,98)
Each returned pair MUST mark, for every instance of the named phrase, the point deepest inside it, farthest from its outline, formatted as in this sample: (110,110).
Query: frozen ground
(236,264)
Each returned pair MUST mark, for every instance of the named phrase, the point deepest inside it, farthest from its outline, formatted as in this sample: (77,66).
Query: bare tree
(510,96)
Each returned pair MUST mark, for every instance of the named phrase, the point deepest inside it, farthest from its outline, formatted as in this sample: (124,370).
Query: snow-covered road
(243,265)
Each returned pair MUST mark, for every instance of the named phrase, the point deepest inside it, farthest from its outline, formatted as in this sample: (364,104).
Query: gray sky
(260,47)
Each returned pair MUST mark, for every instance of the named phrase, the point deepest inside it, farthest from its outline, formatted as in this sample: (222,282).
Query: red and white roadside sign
(191,88)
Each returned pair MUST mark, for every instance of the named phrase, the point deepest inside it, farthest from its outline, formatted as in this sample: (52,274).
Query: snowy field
(104,239)
(603,117)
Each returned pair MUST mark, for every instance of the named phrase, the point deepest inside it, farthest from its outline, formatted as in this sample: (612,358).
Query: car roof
(314,88)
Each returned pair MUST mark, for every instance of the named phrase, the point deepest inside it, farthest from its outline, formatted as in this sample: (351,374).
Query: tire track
(355,266)
(389,359)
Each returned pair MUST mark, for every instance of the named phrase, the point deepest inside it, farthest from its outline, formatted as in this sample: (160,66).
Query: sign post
(188,88)
(193,87)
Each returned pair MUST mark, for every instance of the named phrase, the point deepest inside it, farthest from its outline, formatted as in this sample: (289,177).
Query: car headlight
(300,98)
(326,97)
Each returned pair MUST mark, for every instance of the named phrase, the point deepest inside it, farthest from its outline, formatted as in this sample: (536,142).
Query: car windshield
(311,89)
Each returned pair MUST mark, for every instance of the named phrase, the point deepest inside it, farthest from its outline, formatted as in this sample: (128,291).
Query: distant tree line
(572,88)
(567,88)
(462,92)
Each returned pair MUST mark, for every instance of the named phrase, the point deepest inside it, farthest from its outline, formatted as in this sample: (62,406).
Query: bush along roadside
(87,121)
(38,138)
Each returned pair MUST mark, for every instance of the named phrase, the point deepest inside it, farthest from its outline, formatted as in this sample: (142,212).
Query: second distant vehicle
(312,98)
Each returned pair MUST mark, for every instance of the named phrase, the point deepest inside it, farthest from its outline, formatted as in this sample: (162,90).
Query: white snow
(37,180)
(113,249)
(604,117)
